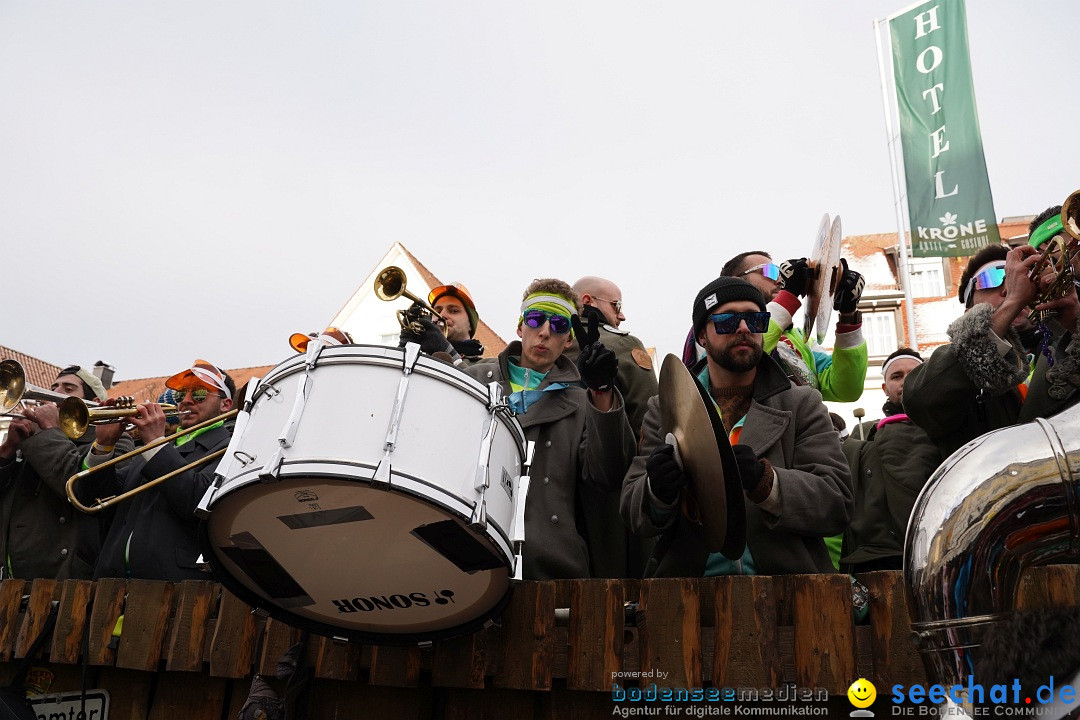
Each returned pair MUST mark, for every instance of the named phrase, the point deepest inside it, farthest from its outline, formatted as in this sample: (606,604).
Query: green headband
(1051,227)
(556,304)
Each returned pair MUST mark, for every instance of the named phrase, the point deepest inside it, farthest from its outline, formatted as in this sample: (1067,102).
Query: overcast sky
(197,179)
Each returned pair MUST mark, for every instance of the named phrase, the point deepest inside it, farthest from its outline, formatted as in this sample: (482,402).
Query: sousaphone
(826,272)
(715,491)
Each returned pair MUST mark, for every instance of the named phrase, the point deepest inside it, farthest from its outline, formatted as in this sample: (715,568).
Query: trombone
(103,503)
(390,285)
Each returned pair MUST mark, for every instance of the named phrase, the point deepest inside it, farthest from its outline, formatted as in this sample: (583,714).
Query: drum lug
(478,521)
(272,468)
(411,355)
(203,509)
(381,479)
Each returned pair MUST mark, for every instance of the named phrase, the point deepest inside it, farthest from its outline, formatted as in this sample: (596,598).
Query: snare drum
(352,499)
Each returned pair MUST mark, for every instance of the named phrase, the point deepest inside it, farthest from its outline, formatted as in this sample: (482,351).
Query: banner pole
(904,271)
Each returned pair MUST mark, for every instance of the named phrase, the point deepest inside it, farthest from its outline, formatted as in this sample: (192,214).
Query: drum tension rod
(517,529)
(381,479)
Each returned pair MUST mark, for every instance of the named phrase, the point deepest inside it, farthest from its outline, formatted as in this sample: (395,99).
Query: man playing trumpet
(153,536)
(42,535)
(997,369)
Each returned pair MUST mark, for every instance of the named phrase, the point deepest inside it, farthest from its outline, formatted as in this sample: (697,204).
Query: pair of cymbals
(825,264)
(688,412)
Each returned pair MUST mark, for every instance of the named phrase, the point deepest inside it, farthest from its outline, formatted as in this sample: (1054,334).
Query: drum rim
(426,366)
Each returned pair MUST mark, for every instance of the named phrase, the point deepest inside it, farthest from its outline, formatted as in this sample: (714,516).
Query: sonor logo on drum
(305,496)
(393,602)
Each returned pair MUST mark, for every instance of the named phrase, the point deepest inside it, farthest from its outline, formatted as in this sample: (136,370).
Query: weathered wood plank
(11,592)
(894,658)
(395,666)
(38,607)
(597,621)
(109,596)
(146,619)
(232,647)
(71,623)
(188,634)
(746,652)
(277,639)
(336,660)
(824,632)
(530,624)
(671,634)
(460,662)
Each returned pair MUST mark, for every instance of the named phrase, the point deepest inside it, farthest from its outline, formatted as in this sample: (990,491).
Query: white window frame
(879,329)
(927,277)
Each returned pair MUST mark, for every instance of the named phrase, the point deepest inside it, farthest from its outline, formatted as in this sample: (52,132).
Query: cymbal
(688,413)
(825,263)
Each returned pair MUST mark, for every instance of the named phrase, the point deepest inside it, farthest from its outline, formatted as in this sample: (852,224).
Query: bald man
(636,379)
(615,553)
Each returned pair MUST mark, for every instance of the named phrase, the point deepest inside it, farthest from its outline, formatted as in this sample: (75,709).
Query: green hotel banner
(948,192)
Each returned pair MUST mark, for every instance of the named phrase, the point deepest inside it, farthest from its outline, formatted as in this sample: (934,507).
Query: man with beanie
(890,459)
(791,467)
(457,311)
(997,370)
(619,554)
(580,433)
(41,534)
(154,535)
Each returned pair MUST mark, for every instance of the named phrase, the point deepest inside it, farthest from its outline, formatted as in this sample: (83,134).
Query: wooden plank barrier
(192,648)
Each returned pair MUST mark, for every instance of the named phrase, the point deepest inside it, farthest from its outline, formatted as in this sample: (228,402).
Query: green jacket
(839,377)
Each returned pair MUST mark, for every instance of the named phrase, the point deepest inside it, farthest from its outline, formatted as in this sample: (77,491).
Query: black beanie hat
(723,290)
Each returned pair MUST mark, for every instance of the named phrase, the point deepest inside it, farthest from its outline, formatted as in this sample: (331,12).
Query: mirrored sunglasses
(558,324)
(769,270)
(197,395)
(727,323)
(617,304)
(988,279)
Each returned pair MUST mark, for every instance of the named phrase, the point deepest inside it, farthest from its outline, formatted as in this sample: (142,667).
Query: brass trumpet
(390,285)
(1057,258)
(15,390)
(76,416)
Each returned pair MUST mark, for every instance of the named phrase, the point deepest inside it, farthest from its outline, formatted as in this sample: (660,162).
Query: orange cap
(462,293)
(201,374)
(331,336)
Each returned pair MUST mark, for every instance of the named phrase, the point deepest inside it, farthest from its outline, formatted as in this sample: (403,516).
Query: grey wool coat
(576,445)
(790,427)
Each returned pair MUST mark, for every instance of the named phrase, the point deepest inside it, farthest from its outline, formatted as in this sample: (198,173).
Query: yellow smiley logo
(862,693)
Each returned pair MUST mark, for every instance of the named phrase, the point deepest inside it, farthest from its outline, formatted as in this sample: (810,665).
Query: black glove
(666,478)
(795,276)
(597,364)
(431,340)
(751,469)
(849,290)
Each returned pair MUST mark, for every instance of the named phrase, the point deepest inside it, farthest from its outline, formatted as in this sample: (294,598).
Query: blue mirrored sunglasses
(727,323)
(769,270)
(559,324)
(988,279)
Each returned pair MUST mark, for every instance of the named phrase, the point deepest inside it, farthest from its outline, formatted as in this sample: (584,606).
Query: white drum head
(341,558)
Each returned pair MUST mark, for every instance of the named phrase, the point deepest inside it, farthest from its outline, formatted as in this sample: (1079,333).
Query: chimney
(104,373)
